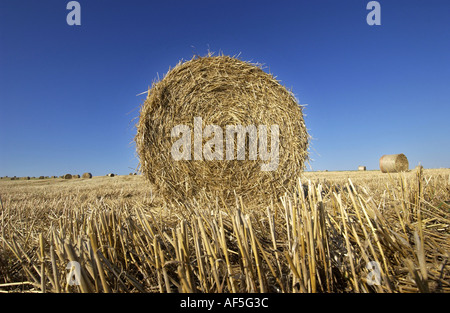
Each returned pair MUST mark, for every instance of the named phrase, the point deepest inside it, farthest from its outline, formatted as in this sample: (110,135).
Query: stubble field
(337,232)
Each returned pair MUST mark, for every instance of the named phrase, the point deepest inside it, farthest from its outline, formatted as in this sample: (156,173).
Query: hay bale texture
(86,175)
(222,91)
(67,176)
(394,163)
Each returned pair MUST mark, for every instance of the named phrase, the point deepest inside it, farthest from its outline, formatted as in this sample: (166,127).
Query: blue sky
(68,93)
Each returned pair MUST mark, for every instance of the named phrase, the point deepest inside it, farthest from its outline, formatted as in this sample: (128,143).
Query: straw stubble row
(318,239)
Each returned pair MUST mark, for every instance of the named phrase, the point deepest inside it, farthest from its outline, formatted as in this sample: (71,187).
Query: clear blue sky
(68,93)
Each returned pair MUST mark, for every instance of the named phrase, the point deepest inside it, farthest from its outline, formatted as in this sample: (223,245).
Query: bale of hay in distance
(110,175)
(76,176)
(361,168)
(86,175)
(41,177)
(394,163)
(67,176)
(220,91)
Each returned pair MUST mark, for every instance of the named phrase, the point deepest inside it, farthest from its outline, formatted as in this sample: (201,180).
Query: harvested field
(358,231)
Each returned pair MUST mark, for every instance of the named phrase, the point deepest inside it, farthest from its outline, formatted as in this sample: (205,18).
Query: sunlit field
(355,231)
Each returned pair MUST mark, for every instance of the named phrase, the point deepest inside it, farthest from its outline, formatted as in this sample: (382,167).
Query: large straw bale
(86,175)
(393,163)
(221,91)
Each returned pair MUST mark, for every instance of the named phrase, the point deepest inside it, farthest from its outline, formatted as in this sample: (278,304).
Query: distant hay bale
(394,163)
(67,176)
(76,176)
(86,175)
(41,177)
(361,168)
(27,178)
(110,175)
(216,92)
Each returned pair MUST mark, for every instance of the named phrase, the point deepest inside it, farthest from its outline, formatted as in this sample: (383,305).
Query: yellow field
(338,232)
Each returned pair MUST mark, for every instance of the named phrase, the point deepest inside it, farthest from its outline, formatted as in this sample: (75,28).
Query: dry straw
(222,91)
(393,163)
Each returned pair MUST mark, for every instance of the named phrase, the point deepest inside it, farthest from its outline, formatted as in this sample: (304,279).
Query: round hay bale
(200,103)
(41,177)
(67,176)
(110,175)
(393,163)
(86,175)
(361,168)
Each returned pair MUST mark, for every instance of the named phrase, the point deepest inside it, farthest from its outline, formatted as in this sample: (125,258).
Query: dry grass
(319,238)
